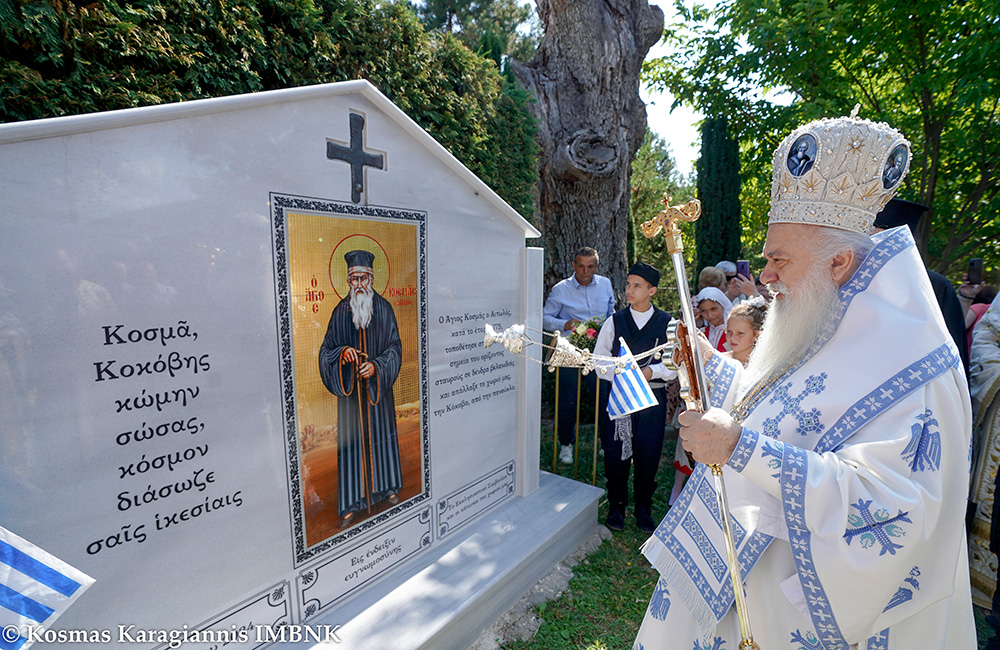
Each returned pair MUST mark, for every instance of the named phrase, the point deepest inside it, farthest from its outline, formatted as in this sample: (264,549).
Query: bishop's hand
(366,370)
(709,437)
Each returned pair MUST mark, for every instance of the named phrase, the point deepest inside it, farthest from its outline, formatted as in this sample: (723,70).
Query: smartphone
(743,268)
(975,270)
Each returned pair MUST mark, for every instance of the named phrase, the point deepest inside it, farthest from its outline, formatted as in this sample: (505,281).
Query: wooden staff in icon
(367,465)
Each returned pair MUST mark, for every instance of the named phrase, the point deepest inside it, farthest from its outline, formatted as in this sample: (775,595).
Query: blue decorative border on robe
(744,450)
(887,245)
(888,394)
(721,375)
(879,642)
(721,600)
(795,470)
(714,559)
(706,490)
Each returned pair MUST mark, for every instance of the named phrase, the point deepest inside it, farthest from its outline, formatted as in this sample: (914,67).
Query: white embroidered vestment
(848,488)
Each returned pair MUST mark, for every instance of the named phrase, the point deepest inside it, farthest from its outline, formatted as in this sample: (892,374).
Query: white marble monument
(179,418)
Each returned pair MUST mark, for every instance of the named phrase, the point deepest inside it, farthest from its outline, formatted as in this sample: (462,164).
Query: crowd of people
(847,457)
(729,309)
(984,384)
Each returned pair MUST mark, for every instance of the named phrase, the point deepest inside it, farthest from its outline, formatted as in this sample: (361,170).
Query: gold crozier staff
(693,383)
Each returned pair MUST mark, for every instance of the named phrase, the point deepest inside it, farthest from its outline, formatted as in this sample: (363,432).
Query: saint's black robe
(372,427)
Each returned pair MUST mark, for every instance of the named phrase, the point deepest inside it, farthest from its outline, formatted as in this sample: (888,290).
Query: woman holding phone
(742,287)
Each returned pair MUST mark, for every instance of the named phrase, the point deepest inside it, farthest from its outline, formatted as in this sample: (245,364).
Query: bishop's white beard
(792,324)
(361,307)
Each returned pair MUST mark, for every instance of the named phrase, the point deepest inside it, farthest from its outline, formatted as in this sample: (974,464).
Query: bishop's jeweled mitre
(837,172)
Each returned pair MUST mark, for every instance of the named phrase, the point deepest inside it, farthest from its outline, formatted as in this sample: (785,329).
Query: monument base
(448,598)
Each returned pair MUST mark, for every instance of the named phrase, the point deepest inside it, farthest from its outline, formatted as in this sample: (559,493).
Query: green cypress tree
(717,232)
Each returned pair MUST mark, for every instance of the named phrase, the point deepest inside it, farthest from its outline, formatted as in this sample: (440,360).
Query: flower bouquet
(584,335)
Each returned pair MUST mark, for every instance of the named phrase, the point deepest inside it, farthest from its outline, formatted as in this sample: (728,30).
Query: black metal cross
(355,156)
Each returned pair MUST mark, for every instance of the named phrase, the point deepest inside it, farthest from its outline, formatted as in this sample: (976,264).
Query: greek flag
(35,589)
(629,390)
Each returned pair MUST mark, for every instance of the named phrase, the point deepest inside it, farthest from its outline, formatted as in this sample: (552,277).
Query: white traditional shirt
(847,488)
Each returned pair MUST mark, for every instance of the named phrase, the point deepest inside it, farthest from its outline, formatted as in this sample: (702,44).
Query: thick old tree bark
(585,78)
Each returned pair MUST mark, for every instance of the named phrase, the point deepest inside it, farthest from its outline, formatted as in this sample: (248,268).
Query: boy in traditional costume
(635,439)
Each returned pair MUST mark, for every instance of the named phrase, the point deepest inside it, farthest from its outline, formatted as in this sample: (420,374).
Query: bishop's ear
(842,266)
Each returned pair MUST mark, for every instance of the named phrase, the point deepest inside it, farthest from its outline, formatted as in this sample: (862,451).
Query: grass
(608,594)
(610,589)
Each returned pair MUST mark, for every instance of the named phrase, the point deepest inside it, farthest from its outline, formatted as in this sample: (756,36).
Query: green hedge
(65,58)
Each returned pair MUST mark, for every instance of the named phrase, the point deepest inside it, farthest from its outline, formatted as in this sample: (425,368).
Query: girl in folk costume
(743,327)
(714,307)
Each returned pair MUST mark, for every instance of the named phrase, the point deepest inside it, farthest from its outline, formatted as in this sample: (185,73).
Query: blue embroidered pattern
(792,489)
(706,490)
(718,643)
(903,594)
(772,448)
(712,557)
(659,604)
(793,481)
(880,641)
(808,641)
(752,551)
(808,422)
(719,597)
(924,450)
(875,527)
(715,601)
(744,450)
(721,375)
(889,393)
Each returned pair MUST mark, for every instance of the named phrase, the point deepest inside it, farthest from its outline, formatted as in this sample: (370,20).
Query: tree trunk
(585,78)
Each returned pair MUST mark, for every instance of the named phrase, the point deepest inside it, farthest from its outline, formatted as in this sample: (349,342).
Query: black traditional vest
(640,340)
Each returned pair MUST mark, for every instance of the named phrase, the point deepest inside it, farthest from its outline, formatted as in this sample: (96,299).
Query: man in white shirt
(571,302)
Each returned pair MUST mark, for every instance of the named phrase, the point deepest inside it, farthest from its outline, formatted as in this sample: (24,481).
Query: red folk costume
(716,335)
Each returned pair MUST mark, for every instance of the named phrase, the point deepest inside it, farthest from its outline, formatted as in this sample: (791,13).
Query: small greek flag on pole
(35,589)
(630,392)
